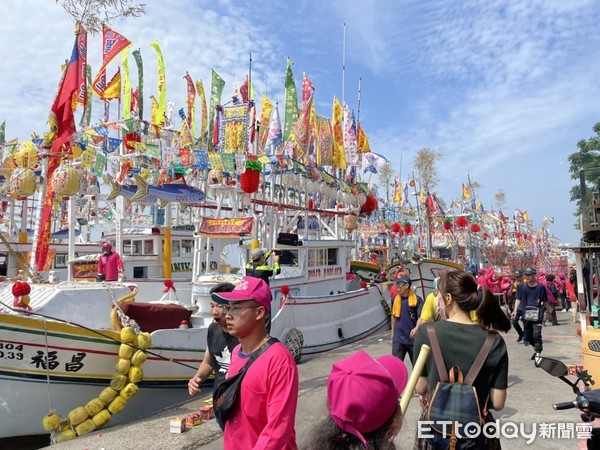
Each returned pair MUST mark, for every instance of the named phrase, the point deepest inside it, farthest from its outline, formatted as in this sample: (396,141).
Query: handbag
(227,394)
(532,314)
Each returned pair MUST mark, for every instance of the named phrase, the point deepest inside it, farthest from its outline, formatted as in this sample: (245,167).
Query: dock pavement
(531,393)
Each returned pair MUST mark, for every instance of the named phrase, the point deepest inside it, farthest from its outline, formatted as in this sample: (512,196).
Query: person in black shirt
(259,268)
(219,345)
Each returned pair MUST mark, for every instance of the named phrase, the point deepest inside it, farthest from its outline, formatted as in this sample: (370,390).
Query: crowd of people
(363,392)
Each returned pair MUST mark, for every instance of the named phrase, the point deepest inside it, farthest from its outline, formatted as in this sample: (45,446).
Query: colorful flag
(430,204)
(397,198)
(113,88)
(308,89)
(191,101)
(62,122)
(273,145)
(363,141)
(465,192)
(82,92)
(291,101)
(339,155)
(405,200)
(263,129)
(126,86)
(244,90)
(350,141)
(112,44)
(204,124)
(216,90)
(159,118)
(324,140)
(87,111)
(140,68)
(525,216)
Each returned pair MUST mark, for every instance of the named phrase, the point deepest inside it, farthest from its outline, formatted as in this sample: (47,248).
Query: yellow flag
(525,217)
(162,87)
(204,126)
(465,192)
(266,109)
(113,90)
(339,154)
(363,141)
(126,85)
(422,195)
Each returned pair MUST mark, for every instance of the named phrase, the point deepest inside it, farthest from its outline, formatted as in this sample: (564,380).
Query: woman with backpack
(463,345)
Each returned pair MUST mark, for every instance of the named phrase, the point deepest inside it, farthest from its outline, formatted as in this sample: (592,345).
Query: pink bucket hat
(362,392)
(249,288)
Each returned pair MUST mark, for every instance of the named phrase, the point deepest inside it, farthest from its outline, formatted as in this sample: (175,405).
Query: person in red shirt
(266,412)
(110,265)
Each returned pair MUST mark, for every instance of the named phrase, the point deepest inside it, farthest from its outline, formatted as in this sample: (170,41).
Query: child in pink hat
(363,399)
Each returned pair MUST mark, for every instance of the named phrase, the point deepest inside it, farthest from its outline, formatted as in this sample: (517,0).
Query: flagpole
(358,124)
(343,64)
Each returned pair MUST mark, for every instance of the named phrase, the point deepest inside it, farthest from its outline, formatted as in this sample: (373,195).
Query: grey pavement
(531,393)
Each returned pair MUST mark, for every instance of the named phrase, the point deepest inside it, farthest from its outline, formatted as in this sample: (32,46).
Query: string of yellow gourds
(98,411)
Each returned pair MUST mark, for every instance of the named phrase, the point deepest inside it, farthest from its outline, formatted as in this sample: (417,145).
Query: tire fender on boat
(294,341)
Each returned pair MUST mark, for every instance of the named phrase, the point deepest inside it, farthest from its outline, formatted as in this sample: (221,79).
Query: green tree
(425,164)
(385,177)
(588,159)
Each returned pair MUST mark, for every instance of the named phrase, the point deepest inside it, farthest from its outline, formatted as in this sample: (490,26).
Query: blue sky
(504,89)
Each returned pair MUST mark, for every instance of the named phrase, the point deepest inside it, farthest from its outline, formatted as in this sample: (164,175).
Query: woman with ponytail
(460,340)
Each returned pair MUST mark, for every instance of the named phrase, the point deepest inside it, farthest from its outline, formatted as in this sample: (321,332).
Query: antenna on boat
(343,64)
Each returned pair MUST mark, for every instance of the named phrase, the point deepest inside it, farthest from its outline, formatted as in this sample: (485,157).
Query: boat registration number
(11,351)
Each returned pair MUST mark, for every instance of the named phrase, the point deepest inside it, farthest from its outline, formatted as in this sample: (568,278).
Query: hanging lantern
(447,223)
(461,222)
(408,229)
(66,181)
(485,235)
(396,227)
(369,205)
(311,204)
(250,179)
(518,235)
(22,183)
(475,228)
(26,156)
(350,222)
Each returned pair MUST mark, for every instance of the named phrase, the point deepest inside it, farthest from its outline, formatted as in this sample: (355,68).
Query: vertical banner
(216,89)
(126,86)
(263,128)
(291,101)
(204,124)
(140,68)
(86,117)
(162,88)
(191,100)
(82,93)
(339,154)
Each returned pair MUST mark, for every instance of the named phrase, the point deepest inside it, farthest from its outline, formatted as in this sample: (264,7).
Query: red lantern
(461,222)
(250,179)
(475,228)
(285,289)
(408,229)
(311,204)
(485,235)
(447,223)
(518,235)
(370,205)
(396,228)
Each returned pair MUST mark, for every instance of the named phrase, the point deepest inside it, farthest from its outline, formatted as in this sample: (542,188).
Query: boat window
(332,256)
(289,258)
(175,248)
(312,258)
(187,246)
(140,272)
(127,246)
(60,261)
(148,247)
(320,257)
(136,248)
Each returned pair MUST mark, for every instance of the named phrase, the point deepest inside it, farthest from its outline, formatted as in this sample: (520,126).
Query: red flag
(430,203)
(62,119)
(244,90)
(112,44)
(307,90)
(82,75)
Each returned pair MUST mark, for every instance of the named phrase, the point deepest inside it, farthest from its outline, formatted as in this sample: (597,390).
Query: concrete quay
(531,394)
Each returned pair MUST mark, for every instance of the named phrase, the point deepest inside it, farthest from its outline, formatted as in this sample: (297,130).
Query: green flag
(140,68)
(87,111)
(216,90)
(291,101)
(3,132)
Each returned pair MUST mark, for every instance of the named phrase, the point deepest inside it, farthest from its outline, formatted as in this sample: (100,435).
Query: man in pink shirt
(110,265)
(266,413)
